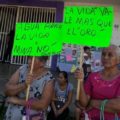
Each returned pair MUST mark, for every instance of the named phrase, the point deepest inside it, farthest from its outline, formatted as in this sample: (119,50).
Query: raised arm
(84,98)
(12,87)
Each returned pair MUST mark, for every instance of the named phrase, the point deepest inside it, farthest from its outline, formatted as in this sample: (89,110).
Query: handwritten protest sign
(84,25)
(88,25)
(37,39)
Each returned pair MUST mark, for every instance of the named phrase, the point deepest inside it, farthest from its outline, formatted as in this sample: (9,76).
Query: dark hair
(43,58)
(86,48)
(65,75)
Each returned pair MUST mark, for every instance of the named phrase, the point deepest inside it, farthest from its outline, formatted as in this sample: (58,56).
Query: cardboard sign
(88,25)
(37,39)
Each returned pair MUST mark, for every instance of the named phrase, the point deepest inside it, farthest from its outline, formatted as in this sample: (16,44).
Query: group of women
(49,99)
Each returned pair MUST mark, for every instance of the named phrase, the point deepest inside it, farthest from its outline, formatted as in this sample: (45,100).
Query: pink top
(100,89)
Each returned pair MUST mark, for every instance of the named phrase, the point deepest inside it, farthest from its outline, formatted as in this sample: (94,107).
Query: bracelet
(28,103)
(102,106)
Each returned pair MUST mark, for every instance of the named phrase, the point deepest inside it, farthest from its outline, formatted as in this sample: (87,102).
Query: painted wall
(37,3)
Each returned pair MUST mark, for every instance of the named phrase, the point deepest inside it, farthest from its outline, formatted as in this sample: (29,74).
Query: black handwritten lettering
(26,51)
(46,35)
(31,26)
(16,49)
(71,31)
(93,11)
(87,32)
(68,20)
(23,37)
(68,31)
(37,26)
(91,32)
(39,49)
(46,48)
(71,10)
(27,26)
(42,49)
(87,10)
(31,37)
(104,11)
(85,21)
(89,21)
(17,37)
(66,10)
(102,23)
(79,21)
(54,25)
(82,32)
(43,35)
(53,44)
(80,11)
(22,50)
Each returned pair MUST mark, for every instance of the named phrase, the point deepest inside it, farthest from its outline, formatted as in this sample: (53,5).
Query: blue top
(62,95)
(15,112)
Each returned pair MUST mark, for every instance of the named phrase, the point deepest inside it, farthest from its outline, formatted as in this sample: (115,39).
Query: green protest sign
(37,39)
(88,25)
(84,25)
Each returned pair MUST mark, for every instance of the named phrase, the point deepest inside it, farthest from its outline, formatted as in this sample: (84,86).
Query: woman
(103,87)
(62,98)
(41,89)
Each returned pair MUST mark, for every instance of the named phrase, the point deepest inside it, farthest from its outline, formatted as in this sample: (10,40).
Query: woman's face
(37,63)
(61,78)
(109,57)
